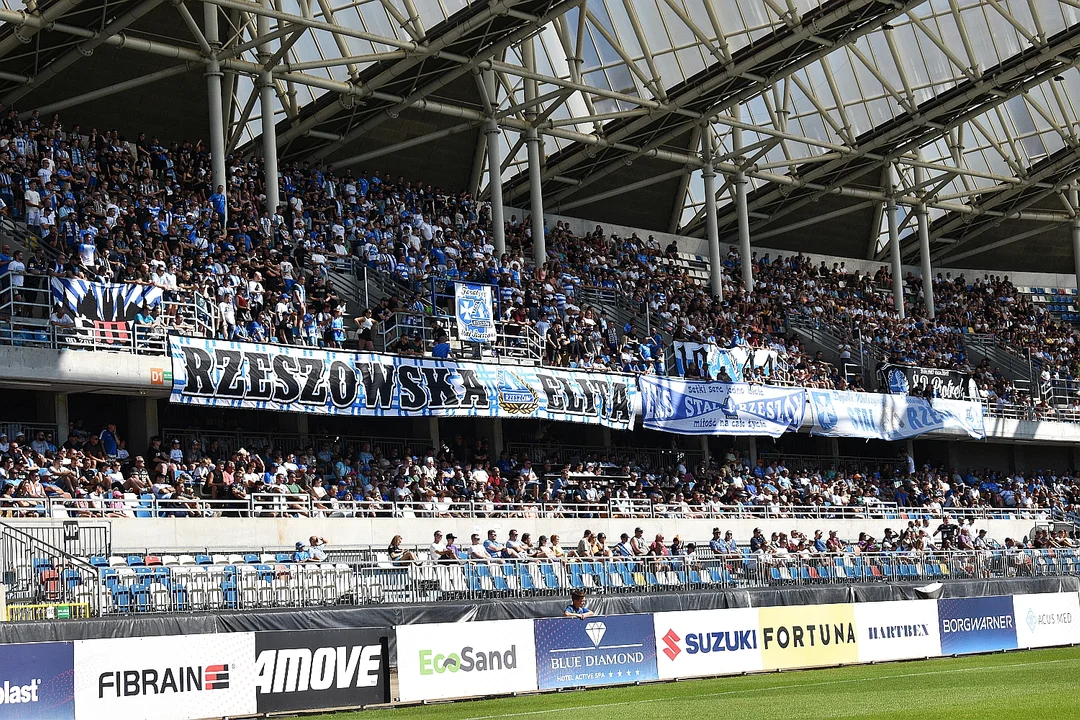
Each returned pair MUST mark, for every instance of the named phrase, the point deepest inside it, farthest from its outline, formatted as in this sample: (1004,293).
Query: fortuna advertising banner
(712,408)
(840,413)
(298,379)
(474,310)
(801,636)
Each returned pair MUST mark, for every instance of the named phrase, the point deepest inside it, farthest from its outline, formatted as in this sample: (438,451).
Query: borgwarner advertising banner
(595,651)
(296,379)
(449,660)
(974,625)
(37,681)
(839,413)
(314,669)
(698,643)
(713,408)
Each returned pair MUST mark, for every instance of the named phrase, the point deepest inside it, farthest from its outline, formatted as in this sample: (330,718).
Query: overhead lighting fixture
(1059,78)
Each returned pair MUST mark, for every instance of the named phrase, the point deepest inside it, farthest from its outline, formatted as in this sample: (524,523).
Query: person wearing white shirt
(437,550)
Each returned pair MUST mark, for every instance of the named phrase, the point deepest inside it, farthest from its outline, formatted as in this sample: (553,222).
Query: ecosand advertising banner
(446,660)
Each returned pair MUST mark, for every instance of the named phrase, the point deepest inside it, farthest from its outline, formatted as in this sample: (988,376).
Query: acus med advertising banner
(697,643)
(37,681)
(595,651)
(973,625)
(165,678)
(447,660)
(897,630)
(1047,619)
(807,636)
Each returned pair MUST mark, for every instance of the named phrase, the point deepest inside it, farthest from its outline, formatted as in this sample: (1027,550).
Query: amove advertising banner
(897,630)
(697,643)
(595,651)
(37,682)
(973,625)
(447,660)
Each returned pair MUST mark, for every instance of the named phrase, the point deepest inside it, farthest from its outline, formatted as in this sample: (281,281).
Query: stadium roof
(966,105)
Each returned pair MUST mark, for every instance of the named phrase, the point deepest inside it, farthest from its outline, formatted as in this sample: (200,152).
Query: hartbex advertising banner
(298,379)
(311,669)
(807,636)
(448,660)
(606,650)
(973,625)
(37,681)
(1047,619)
(897,630)
(165,678)
(689,407)
(842,413)
(697,643)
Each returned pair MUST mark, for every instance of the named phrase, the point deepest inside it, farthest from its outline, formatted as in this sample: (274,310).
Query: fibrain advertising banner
(448,660)
(297,379)
(37,681)
(596,651)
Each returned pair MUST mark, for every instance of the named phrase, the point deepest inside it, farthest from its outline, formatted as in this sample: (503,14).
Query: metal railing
(47,565)
(193,587)
(230,441)
(514,342)
(650,458)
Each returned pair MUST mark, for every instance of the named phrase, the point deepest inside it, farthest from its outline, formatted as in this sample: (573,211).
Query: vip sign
(165,678)
(707,642)
(807,636)
(897,630)
(1046,619)
(448,660)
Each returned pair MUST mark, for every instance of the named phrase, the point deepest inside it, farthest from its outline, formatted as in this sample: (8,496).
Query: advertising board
(807,636)
(446,660)
(1046,619)
(595,651)
(165,678)
(971,625)
(695,643)
(313,669)
(897,630)
(37,681)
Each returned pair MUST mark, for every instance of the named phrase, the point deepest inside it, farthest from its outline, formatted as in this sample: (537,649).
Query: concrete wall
(77,370)
(165,534)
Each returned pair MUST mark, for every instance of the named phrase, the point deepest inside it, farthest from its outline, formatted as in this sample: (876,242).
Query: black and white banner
(947,384)
(104,302)
(315,669)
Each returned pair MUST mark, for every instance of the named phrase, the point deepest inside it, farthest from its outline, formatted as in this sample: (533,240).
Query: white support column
(62,418)
(532,139)
(742,213)
(1074,196)
(494,154)
(266,107)
(894,246)
(716,269)
(213,93)
(922,216)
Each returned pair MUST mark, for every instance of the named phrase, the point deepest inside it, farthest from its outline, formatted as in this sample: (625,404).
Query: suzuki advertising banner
(448,660)
(36,681)
(696,643)
(897,630)
(1047,619)
(312,669)
(807,636)
(165,678)
(973,625)
(595,651)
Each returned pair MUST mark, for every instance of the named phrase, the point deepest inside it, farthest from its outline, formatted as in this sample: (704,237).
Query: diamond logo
(595,631)
(1032,620)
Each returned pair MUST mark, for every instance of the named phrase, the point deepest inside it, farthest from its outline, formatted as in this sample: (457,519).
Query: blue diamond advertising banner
(595,651)
(973,625)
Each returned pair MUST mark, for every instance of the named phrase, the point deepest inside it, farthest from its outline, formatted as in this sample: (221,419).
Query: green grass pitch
(1036,684)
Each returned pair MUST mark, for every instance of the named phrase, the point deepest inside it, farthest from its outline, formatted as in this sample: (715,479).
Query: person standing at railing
(577,607)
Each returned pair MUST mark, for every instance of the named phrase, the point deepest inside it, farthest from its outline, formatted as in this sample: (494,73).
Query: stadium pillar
(498,227)
(923,218)
(532,139)
(61,418)
(213,93)
(266,107)
(752,446)
(142,423)
(705,449)
(742,214)
(894,247)
(498,443)
(716,269)
(1074,197)
(433,432)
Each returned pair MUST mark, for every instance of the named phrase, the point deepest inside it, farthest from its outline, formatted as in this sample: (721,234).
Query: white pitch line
(769,688)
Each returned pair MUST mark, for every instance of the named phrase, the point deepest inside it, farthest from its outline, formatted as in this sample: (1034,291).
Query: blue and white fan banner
(475,314)
(106,302)
(712,357)
(714,408)
(309,380)
(892,417)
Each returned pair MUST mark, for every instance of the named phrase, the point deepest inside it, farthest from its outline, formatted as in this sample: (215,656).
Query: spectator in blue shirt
(493,547)
(441,349)
(577,607)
